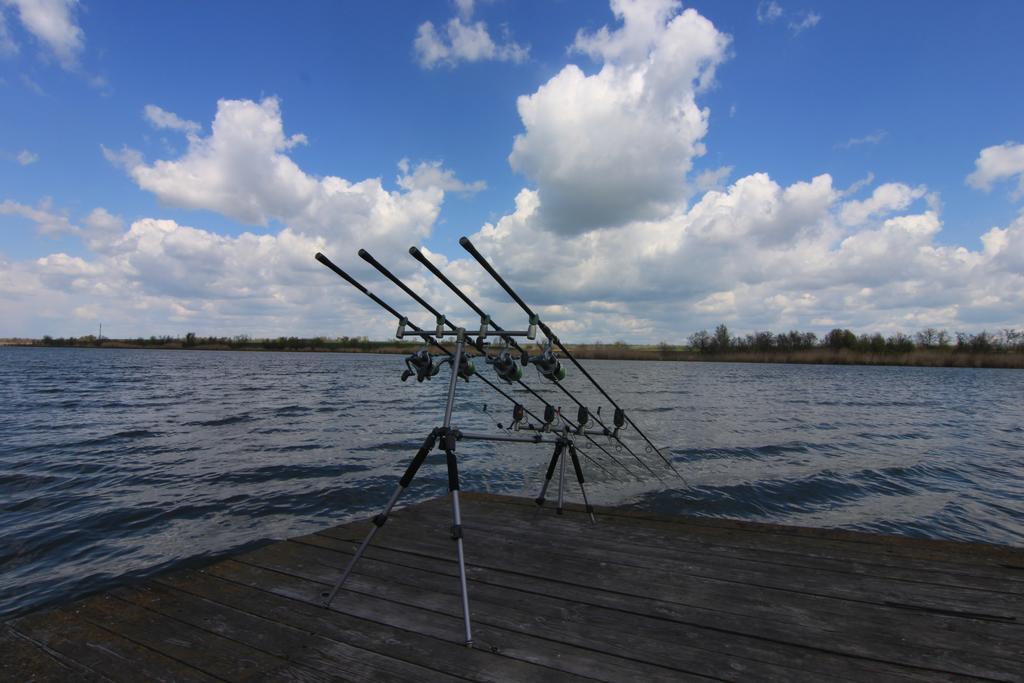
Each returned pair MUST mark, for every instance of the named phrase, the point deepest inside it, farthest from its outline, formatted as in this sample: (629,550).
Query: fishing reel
(466,367)
(548,364)
(505,366)
(421,364)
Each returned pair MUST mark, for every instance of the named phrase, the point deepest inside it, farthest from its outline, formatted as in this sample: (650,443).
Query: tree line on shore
(721,341)
(928,347)
(240,343)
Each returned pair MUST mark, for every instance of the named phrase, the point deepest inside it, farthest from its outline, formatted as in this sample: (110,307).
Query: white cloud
(755,254)
(7,45)
(102,229)
(885,199)
(26,157)
(242,170)
(463,41)
(33,86)
(162,119)
(52,23)
(869,139)
(809,20)
(615,146)
(768,11)
(713,179)
(465,8)
(996,163)
(47,220)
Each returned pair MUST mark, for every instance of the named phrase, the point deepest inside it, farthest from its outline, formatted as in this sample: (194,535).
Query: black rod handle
(366,256)
(348,278)
(418,255)
(468,246)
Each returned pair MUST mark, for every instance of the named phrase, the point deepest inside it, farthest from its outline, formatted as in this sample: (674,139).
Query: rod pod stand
(446,438)
(564,443)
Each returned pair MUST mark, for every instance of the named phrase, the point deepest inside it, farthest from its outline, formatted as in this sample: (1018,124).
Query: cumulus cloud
(242,170)
(53,24)
(884,199)
(753,252)
(997,163)
(712,179)
(615,146)
(162,277)
(26,157)
(806,21)
(768,11)
(7,45)
(462,40)
(757,255)
(162,119)
(869,139)
(48,220)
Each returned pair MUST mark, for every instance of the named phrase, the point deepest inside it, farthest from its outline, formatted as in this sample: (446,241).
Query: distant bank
(822,354)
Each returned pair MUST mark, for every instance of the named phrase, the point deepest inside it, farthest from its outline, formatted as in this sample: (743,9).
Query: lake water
(118,463)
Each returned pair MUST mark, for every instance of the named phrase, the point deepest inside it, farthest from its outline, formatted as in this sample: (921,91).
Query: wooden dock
(635,597)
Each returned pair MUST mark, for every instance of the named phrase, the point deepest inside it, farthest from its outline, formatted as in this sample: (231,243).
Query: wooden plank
(865,639)
(415,635)
(946,552)
(718,548)
(27,661)
(107,654)
(705,592)
(301,648)
(496,635)
(589,543)
(636,597)
(706,652)
(215,655)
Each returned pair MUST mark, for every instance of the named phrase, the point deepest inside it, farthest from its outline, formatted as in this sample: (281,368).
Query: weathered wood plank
(740,549)
(499,633)
(416,635)
(298,646)
(107,654)
(286,600)
(713,653)
(882,545)
(636,597)
(724,633)
(26,660)
(791,607)
(603,546)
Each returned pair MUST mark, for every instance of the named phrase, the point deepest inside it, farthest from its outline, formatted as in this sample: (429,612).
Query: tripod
(448,438)
(564,443)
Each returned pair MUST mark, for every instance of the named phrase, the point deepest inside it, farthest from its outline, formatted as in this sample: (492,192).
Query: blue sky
(893,102)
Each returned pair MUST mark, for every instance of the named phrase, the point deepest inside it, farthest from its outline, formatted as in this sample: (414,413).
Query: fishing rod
(620,414)
(442,321)
(486,319)
(431,340)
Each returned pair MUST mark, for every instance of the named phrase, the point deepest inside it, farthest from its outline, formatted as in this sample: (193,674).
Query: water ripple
(118,464)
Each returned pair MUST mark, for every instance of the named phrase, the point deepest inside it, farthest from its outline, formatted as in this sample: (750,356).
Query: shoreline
(818,356)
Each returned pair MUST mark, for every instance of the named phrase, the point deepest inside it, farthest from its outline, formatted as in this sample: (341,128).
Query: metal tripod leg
(551,471)
(379,520)
(579,478)
(453,487)
(561,486)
